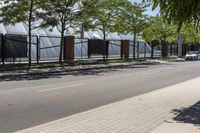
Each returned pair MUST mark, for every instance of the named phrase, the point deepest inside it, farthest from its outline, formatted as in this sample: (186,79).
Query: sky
(149,9)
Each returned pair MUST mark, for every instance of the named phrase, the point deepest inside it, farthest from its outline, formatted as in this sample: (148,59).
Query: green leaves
(25,11)
(104,15)
(133,18)
(60,13)
(16,11)
(179,12)
(158,29)
(190,33)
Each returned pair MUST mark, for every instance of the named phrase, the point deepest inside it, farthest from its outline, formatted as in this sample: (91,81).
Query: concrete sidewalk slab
(140,114)
(174,127)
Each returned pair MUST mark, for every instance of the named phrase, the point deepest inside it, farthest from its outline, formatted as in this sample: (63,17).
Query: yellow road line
(63,87)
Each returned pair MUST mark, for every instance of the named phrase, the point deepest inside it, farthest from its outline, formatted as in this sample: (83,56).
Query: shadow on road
(189,115)
(63,72)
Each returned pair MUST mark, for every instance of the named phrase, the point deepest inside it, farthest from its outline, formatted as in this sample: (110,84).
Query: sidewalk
(142,114)
(174,127)
(85,67)
(78,68)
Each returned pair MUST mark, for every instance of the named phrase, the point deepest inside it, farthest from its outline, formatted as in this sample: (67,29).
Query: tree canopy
(104,15)
(133,18)
(157,29)
(25,11)
(60,14)
(179,12)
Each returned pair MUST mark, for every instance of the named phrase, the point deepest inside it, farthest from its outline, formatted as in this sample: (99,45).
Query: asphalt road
(27,101)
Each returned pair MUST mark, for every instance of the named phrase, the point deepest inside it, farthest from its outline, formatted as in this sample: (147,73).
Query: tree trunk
(134,43)
(104,45)
(61,46)
(29,51)
(30,33)
(180,45)
(164,49)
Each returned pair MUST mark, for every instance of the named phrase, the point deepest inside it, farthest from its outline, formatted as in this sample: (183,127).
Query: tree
(179,12)
(104,16)
(84,19)
(190,34)
(133,20)
(60,14)
(157,29)
(25,11)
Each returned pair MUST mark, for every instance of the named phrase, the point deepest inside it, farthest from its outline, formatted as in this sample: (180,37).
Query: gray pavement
(140,114)
(31,100)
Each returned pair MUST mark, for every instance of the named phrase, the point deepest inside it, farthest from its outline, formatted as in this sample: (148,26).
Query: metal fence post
(89,47)
(38,50)
(3,49)
(171,49)
(145,50)
(81,48)
(138,49)
(133,50)
(152,50)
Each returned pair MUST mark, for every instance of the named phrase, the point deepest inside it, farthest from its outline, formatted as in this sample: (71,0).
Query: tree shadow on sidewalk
(189,115)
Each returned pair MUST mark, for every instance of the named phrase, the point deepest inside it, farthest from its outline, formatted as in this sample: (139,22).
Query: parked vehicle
(192,55)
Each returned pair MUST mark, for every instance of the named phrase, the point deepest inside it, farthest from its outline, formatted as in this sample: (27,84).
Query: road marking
(63,87)
(40,86)
(151,72)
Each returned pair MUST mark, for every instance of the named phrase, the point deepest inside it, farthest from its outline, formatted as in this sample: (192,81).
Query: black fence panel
(156,49)
(174,49)
(16,46)
(194,47)
(96,47)
(1,48)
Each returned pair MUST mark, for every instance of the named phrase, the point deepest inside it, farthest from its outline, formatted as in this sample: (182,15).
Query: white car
(192,55)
